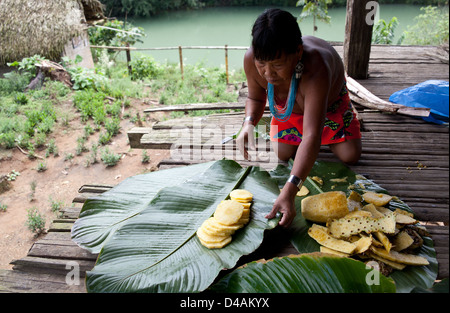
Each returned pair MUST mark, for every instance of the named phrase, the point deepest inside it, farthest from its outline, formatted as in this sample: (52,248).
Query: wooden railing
(226,48)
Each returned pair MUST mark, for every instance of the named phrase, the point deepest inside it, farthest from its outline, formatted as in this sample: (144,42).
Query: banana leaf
(308,273)
(102,215)
(156,250)
(405,280)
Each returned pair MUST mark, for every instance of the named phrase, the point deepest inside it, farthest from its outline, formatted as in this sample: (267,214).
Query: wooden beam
(358,37)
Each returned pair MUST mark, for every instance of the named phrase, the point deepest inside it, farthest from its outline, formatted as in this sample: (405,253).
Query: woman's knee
(284,151)
(349,152)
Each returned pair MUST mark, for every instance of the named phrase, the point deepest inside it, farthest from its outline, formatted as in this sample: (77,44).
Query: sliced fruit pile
(229,216)
(369,231)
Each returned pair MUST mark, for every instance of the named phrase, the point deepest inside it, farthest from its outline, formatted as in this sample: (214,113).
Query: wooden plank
(70,212)
(198,106)
(59,250)
(81,198)
(51,266)
(94,188)
(60,227)
(15,281)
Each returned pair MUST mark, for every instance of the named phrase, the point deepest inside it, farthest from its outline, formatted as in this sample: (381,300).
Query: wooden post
(358,37)
(226,62)
(180,51)
(128,58)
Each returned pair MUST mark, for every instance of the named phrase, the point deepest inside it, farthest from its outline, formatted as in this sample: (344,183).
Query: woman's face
(278,71)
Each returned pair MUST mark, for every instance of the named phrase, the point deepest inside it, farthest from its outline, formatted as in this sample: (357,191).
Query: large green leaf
(102,215)
(156,250)
(407,279)
(309,273)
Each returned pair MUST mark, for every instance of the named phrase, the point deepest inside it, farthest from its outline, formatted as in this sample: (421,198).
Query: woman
(303,79)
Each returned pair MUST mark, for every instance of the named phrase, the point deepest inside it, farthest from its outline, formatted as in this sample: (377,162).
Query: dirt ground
(62,179)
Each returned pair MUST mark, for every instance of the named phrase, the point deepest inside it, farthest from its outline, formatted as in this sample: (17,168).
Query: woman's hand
(285,204)
(246,139)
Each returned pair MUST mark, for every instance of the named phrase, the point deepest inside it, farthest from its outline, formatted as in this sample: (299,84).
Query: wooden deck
(405,155)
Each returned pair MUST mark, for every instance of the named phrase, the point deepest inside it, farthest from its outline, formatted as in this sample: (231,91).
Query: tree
(318,9)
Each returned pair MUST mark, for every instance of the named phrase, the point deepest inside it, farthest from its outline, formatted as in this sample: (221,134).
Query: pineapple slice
(321,207)
(378,199)
(320,234)
(345,227)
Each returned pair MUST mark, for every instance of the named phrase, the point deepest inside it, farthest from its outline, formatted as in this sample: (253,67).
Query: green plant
(104,138)
(110,158)
(21,99)
(52,148)
(112,126)
(7,140)
(3,207)
(35,221)
(14,82)
(13,175)
(28,65)
(56,205)
(88,130)
(42,167)
(383,33)
(84,78)
(318,9)
(431,28)
(145,157)
(89,102)
(68,156)
(144,66)
(81,147)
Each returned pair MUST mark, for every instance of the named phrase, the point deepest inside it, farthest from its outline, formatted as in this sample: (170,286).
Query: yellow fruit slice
(207,238)
(246,205)
(212,226)
(228,212)
(378,199)
(216,245)
(241,194)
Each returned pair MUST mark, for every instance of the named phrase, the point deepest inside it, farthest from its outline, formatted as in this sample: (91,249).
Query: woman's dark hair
(275,31)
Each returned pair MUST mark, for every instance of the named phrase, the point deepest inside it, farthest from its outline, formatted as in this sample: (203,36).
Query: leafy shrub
(35,221)
(28,65)
(110,158)
(13,82)
(89,102)
(432,27)
(84,78)
(144,66)
(112,126)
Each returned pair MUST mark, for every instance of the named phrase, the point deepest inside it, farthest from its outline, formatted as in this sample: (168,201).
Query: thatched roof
(29,27)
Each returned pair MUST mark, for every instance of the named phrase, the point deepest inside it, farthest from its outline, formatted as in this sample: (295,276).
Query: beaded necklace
(283,114)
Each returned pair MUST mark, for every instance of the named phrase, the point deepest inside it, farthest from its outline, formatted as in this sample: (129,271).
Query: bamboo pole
(171,48)
(180,51)
(226,62)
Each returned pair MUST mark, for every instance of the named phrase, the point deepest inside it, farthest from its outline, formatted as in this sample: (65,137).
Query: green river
(232,26)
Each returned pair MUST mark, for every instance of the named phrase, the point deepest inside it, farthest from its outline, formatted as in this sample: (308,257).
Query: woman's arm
(316,89)
(254,105)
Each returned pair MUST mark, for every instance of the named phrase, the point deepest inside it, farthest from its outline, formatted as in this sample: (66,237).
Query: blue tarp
(432,94)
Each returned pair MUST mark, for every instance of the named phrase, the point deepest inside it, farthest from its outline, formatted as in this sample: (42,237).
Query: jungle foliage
(145,8)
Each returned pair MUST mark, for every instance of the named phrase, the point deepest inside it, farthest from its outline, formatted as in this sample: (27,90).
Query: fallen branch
(27,153)
(364,97)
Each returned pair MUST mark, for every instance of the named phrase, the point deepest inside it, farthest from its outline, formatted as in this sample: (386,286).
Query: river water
(232,26)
